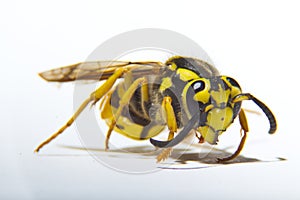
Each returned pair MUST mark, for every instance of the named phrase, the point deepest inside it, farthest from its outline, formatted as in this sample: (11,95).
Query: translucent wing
(100,70)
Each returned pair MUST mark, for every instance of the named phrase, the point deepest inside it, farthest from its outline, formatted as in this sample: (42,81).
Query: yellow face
(214,98)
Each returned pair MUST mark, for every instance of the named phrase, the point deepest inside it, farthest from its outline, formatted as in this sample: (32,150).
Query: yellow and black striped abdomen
(141,118)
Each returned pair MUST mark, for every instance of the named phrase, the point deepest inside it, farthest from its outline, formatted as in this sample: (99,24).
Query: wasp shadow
(212,158)
(179,155)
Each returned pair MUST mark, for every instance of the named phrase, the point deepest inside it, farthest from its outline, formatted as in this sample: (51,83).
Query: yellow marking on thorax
(165,84)
(173,67)
(184,101)
(186,75)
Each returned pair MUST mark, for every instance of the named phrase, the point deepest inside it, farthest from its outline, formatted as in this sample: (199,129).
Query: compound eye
(233,82)
(198,86)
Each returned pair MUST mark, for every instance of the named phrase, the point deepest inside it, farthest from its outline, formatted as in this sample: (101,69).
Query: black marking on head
(236,109)
(233,82)
(224,85)
(216,83)
(203,117)
(222,105)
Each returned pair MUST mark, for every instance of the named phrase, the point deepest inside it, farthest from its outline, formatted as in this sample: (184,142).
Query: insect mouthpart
(216,122)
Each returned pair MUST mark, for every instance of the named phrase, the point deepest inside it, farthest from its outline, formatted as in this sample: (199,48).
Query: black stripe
(146,130)
(115,99)
(199,67)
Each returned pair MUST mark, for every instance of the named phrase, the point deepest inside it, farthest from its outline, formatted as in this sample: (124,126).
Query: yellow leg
(144,97)
(123,102)
(105,106)
(94,97)
(244,131)
(172,126)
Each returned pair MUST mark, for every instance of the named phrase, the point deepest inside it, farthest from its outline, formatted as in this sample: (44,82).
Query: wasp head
(213,98)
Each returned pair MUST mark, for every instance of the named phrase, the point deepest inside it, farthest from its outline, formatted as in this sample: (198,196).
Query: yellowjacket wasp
(182,93)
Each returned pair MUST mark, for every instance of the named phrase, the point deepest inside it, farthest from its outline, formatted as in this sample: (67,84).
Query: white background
(256,42)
